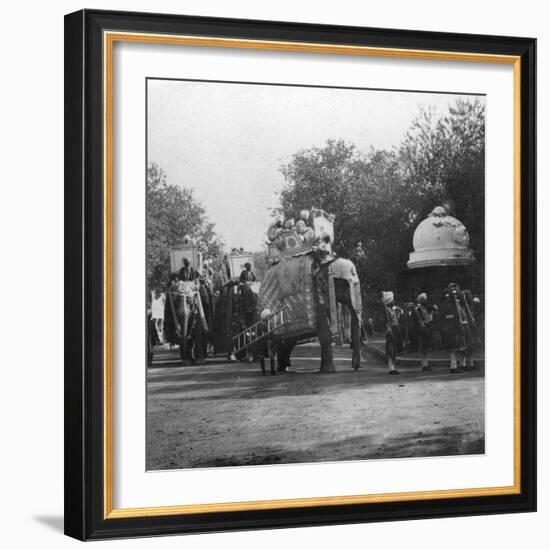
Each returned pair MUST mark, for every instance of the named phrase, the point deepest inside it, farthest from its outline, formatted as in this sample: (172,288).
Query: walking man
(423,318)
(394,336)
(457,337)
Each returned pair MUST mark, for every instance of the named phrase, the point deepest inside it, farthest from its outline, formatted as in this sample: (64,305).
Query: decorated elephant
(309,287)
(236,309)
(185,320)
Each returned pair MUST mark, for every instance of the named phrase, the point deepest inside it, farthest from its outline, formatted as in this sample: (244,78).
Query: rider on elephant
(187,273)
(305,233)
(247,275)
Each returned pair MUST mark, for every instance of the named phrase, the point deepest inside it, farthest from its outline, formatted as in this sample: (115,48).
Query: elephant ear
(346,270)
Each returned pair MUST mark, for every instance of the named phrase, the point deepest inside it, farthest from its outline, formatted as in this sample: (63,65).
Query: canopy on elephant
(290,283)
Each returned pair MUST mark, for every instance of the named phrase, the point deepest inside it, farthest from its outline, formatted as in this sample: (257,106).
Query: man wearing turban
(458,336)
(394,336)
(275,228)
(422,315)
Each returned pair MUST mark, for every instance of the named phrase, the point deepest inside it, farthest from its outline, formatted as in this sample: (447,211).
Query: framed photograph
(300,274)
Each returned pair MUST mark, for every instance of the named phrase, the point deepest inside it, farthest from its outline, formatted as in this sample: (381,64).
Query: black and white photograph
(315,274)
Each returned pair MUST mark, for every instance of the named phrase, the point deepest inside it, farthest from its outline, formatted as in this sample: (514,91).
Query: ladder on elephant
(256,332)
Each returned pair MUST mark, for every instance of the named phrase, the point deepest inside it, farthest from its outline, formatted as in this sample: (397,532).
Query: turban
(387,297)
(289,224)
(265,314)
(422,297)
(452,287)
(304,215)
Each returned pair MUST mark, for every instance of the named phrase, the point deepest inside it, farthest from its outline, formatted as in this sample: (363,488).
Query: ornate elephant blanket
(290,283)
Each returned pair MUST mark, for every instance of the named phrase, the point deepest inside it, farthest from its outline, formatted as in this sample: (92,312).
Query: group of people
(163,323)
(303,230)
(302,238)
(455,326)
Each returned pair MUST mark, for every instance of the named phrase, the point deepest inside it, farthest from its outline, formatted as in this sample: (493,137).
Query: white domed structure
(440,240)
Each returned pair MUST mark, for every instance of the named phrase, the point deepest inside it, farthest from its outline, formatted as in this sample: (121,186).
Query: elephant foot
(328,368)
(186,363)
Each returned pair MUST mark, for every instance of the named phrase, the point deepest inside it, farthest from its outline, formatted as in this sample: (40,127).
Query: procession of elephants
(299,302)
(228,312)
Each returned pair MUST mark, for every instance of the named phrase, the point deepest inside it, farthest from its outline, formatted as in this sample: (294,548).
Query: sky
(227,141)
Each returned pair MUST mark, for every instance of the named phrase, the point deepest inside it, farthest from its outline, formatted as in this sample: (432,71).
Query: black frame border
(84,452)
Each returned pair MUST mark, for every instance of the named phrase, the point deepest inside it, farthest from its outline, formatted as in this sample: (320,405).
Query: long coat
(457,334)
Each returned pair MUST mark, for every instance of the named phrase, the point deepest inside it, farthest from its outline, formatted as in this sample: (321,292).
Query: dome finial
(439,212)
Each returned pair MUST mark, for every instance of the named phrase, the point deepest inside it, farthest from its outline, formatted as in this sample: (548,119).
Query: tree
(364,192)
(444,161)
(379,197)
(171,213)
(328,176)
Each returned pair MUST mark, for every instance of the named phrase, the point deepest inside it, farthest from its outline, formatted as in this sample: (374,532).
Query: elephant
(235,309)
(308,286)
(186,321)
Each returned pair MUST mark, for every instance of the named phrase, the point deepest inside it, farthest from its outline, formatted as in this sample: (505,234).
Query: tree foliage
(444,160)
(380,196)
(172,213)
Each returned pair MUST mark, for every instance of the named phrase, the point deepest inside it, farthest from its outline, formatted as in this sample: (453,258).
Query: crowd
(456,325)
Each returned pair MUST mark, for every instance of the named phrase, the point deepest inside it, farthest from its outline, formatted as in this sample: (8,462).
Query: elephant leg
(262,364)
(355,340)
(184,350)
(327,361)
(184,342)
(272,358)
(283,356)
(198,340)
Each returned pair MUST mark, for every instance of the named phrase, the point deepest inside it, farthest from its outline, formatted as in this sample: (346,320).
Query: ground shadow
(450,441)
(251,384)
(55,523)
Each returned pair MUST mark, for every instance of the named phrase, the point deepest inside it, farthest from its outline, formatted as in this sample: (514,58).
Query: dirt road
(226,414)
